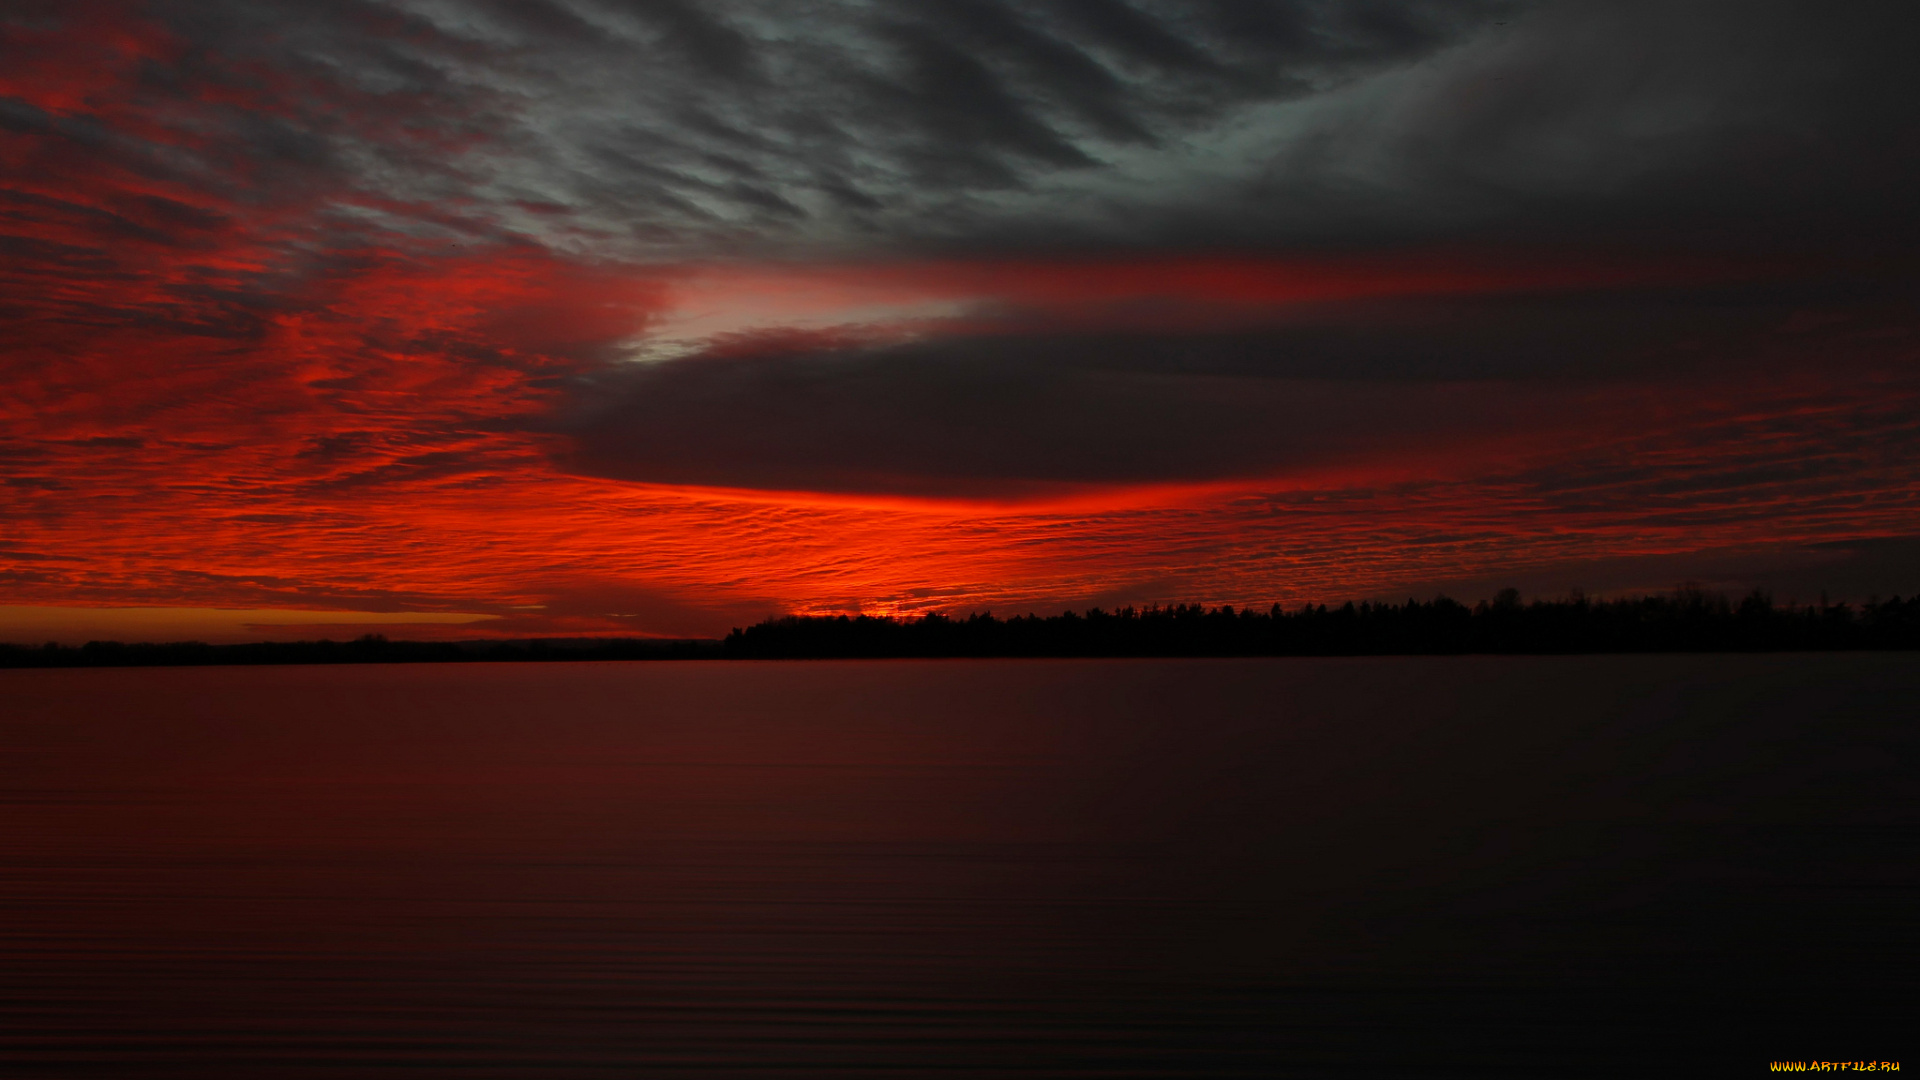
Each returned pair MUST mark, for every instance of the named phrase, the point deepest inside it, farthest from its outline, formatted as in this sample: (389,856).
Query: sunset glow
(280,333)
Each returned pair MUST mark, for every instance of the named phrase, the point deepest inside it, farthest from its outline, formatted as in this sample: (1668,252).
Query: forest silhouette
(1687,620)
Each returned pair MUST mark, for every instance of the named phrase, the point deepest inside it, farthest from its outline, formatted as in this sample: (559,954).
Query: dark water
(1396,867)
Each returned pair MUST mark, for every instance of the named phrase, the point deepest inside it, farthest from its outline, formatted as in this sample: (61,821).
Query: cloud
(20,624)
(666,130)
(1036,375)
(972,304)
(660,127)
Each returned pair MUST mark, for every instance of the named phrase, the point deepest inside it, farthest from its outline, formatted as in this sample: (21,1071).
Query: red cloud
(225,386)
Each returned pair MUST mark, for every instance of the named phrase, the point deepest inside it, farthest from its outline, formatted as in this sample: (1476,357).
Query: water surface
(1446,866)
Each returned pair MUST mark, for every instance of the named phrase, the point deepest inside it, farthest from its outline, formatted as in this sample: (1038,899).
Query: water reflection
(1267,867)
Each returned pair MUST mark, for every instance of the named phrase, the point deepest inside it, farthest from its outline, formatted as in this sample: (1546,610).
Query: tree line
(1688,620)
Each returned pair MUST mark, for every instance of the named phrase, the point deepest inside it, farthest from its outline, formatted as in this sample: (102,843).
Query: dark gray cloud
(1742,126)
(677,128)
(983,418)
(662,128)
(1339,383)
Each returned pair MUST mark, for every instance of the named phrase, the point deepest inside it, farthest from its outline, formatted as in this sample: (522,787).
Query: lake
(1525,866)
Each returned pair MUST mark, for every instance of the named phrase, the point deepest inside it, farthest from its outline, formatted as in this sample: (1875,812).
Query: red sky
(295,348)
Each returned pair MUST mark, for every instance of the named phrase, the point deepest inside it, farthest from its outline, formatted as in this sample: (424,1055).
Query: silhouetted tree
(1687,620)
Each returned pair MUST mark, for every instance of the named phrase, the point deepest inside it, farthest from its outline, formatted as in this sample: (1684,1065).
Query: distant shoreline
(370,649)
(1687,621)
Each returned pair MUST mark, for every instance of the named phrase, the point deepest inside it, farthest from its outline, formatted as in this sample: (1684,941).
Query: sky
(510,317)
